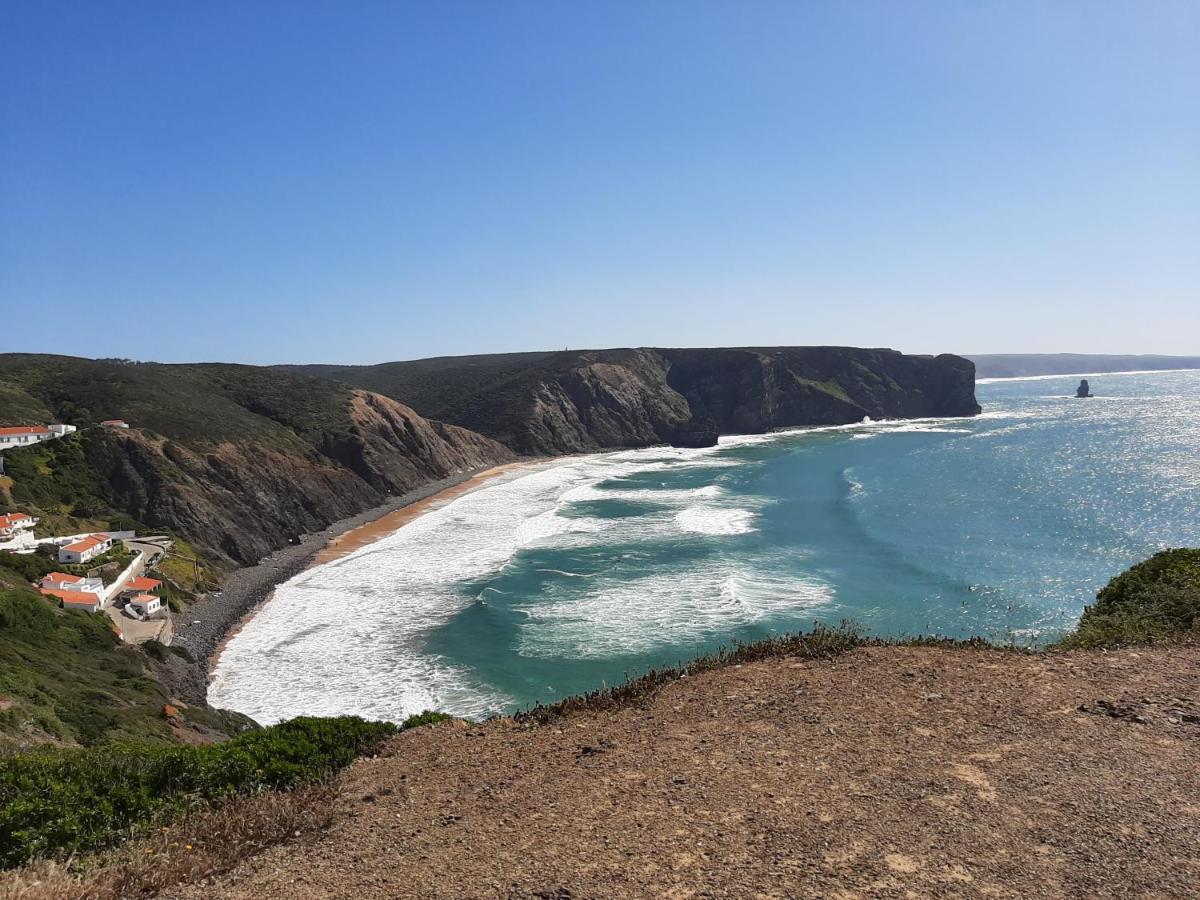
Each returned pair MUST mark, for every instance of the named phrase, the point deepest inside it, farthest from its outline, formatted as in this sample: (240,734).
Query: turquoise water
(582,572)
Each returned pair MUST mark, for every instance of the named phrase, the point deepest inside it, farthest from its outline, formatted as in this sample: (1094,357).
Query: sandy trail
(886,772)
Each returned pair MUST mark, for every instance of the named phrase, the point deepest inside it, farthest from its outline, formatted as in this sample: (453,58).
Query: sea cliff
(584,401)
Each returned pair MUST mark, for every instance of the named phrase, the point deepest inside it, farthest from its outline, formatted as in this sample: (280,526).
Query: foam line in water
(715,520)
(641,615)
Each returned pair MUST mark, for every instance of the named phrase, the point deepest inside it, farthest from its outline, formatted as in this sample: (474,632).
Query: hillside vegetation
(66,678)
(61,803)
(237,460)
(1154,601)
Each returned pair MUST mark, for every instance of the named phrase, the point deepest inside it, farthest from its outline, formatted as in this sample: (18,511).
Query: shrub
(57,803)
(429,717)
(1156,600)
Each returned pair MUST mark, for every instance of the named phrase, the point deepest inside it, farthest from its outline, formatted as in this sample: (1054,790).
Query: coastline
(207,625)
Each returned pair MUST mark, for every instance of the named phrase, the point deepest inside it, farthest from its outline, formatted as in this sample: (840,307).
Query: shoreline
(208,625)
(992,379)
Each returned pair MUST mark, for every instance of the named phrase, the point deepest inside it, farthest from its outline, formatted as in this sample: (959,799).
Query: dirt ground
(886,772)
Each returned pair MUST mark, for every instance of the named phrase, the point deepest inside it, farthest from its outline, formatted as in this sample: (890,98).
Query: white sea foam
(641,615)
(702,519)
(352,636)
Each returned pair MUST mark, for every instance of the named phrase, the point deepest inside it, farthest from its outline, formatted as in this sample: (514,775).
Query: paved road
(135,631)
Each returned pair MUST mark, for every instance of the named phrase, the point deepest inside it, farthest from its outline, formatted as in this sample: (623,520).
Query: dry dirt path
(918,772)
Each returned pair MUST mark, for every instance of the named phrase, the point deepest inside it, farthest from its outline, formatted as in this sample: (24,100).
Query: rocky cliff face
(240,501)
(237,459)
(592,400)
(240,459)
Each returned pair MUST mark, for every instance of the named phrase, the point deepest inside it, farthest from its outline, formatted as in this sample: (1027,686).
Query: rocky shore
(206,624)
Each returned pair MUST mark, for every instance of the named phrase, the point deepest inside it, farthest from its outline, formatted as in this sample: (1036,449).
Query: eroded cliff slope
(577,401)
(237,459)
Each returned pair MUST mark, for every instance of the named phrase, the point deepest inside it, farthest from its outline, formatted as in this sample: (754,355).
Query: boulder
(695,433)
(1084,389)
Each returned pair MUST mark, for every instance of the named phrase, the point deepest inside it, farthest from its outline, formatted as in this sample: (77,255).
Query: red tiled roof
(76,598)
(25,429)
(141,583)
(87,543)
(14,518)
(143,598)
(62,578)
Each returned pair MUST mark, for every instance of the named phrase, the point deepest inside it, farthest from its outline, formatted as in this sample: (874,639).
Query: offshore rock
(1084,389)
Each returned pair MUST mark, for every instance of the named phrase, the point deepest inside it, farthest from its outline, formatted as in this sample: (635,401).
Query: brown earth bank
(903,771)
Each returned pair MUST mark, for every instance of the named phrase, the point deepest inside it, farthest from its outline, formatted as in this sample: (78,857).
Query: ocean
(574,574)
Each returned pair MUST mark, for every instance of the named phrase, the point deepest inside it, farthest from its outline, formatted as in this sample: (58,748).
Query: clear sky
(358,182)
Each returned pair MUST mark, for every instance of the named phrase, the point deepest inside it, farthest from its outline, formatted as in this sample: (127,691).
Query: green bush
(1154,601)
(56,803)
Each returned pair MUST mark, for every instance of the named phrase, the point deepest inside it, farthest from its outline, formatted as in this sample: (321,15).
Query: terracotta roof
(76,598)
(14,518)
(144,598)
(62,578)
(141,583)
(87,543)
(25,429)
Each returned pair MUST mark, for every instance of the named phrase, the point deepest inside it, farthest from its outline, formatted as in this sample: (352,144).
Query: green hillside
(65,678)
(202,403)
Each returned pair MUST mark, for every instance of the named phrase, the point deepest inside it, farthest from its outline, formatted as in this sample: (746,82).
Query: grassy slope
(64,676)
(198,405)
(59,803)
(193,406)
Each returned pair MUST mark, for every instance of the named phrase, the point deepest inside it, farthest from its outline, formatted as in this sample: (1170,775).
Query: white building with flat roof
(27,435)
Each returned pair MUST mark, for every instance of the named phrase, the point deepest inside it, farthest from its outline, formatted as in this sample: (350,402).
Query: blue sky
(358,182)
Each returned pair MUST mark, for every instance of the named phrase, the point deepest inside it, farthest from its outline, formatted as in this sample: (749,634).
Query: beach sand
(369,532)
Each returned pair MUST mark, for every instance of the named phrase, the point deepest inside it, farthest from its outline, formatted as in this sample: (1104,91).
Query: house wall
(134,568)
(25,440)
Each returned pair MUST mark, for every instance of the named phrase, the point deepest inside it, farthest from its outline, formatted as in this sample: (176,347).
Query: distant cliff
(578,401)
(241,459)
(1015,365)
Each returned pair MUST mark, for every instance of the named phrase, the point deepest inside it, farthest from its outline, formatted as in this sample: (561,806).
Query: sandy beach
(368,533)
(205,627)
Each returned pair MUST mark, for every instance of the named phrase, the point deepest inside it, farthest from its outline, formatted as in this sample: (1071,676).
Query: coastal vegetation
(57,803)
(236,460)
(1155,601)
(66,679)
(574,401)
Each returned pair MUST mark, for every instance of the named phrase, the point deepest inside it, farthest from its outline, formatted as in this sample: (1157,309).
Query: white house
(73,591)
(64,582)
(143,606)
(25,435)
(13,523)
(86,549)
(140,584)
